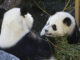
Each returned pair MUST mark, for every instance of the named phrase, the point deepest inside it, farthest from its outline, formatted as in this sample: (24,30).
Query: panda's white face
(59,24)
(14,27)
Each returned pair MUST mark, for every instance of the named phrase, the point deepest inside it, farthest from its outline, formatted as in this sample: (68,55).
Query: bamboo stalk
(77,12)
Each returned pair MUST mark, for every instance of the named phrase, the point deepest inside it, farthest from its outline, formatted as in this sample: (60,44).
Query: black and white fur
(16,37)
(14,27)
(60,24)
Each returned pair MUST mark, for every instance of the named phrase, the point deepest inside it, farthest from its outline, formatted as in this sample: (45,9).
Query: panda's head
(60,24)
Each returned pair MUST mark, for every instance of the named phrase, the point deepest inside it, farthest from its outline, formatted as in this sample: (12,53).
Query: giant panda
(60,24)
(18,39)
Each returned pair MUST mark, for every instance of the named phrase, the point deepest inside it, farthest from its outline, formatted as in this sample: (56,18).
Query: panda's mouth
(48,34)
(51,35)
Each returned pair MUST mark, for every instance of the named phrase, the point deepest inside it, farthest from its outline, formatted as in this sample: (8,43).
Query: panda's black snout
(46,30)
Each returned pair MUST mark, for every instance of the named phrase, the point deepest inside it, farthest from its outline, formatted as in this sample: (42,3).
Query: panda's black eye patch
(54,27)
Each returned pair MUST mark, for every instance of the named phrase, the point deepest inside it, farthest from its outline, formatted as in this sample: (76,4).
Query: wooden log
(77,11)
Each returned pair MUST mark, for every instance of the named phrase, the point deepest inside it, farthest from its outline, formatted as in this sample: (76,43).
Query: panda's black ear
(23,10)
(75,36)
(2,11)
(67,21)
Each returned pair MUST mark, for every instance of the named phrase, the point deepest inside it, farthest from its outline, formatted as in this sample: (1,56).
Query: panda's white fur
(62,29)
(14,27)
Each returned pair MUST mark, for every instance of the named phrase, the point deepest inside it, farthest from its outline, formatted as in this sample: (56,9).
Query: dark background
(37,8)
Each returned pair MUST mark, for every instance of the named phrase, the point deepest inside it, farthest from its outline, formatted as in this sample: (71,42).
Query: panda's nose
(46,30)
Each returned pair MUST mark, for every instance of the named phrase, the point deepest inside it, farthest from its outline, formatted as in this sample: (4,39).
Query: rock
(8,4)
(6,56)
